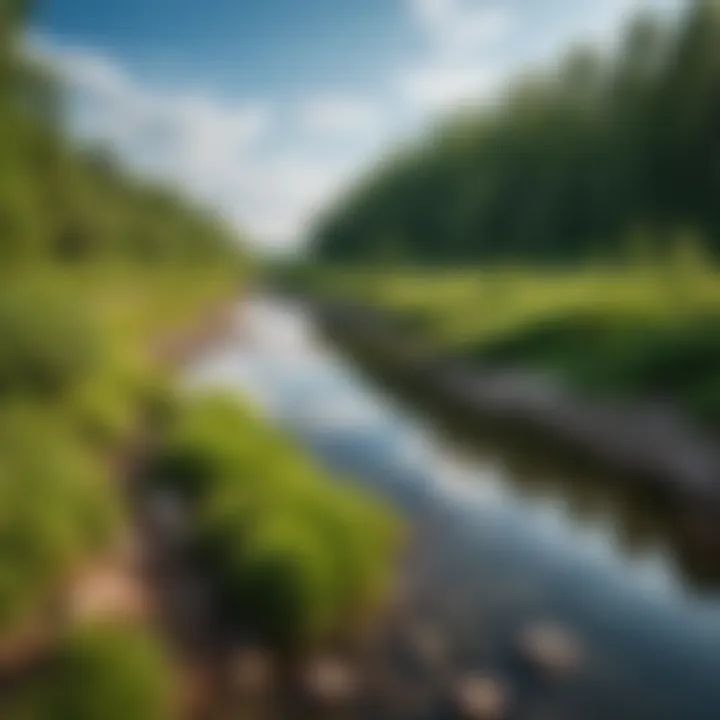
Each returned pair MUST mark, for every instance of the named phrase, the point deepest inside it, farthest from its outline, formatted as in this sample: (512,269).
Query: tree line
(63,204)
(605,154)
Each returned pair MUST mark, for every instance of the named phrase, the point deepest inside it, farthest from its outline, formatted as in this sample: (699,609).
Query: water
(503,543)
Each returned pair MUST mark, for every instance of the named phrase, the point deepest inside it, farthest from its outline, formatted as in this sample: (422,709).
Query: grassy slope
(77,358)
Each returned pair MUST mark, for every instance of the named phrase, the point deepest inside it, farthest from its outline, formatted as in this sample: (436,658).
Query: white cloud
(458,66)
(216,150)
(210,147)
(439,87)
(340,115)
(210,134)
(461,27)
(278,196)
(185,136)
(88,71)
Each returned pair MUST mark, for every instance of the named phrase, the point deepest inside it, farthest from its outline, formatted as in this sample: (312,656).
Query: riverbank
(267,571)
(114,339)
(650,445)
(500,564)
(244,585)
(631,333)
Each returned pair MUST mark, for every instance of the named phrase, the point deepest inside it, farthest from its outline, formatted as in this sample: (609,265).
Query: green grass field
(646,331)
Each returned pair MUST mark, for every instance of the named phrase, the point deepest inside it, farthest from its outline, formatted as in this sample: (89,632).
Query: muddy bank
(646,444)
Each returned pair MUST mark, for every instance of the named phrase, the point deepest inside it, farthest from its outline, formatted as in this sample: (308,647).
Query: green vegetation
(111,673)
(76,373)
(632,332)
(96,269)
(46,348)
(99,273)
(603,156)
(56,509)
(585,203)
(103,672)
(297,556)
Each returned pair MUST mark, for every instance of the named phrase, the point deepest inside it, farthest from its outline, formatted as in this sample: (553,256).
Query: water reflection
(630,520)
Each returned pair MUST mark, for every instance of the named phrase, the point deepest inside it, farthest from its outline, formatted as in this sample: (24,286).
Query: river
(504,543)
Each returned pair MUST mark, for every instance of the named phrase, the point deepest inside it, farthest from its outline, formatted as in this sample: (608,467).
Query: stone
(481,698)
(551,649)
(331,681)
(107,592)
(427,645)
(252,672)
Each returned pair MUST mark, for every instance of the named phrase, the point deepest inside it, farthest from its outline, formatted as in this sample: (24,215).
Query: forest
(609,154)
(571,227)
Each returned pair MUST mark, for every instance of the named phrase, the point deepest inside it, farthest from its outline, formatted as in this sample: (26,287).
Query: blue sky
(266,109)
(235,46)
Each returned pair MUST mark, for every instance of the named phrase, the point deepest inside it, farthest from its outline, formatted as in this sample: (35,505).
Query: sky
(266,110)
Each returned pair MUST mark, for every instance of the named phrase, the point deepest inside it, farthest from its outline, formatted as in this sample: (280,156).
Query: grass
(77,371)
(299,554)
(648,331)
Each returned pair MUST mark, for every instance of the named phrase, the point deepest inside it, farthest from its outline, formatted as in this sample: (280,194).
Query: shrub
(46,347)
(109,672)
(671,359)
(205,445)
(280,577)
(294,553)
(55,508)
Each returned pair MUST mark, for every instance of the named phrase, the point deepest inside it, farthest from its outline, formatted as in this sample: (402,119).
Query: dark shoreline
(648,447)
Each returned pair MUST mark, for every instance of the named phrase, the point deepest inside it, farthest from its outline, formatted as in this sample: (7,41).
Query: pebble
(481,698)
(252,672)
(427,644)
(551,649)
(331,681)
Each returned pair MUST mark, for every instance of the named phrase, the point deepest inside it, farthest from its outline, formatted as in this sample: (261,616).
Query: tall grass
(297,557)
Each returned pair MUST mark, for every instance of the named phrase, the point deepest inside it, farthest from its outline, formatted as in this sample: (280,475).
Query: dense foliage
(56,509)
(297,556)
(110,672)
(100,672)
(602,156)
(46,347)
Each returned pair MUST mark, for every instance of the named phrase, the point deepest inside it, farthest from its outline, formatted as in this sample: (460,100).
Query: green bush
(294,553)
(103,410)
(280,576)
(204,446)
(55,508)
(672,359)
(109,673)
(46,346)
